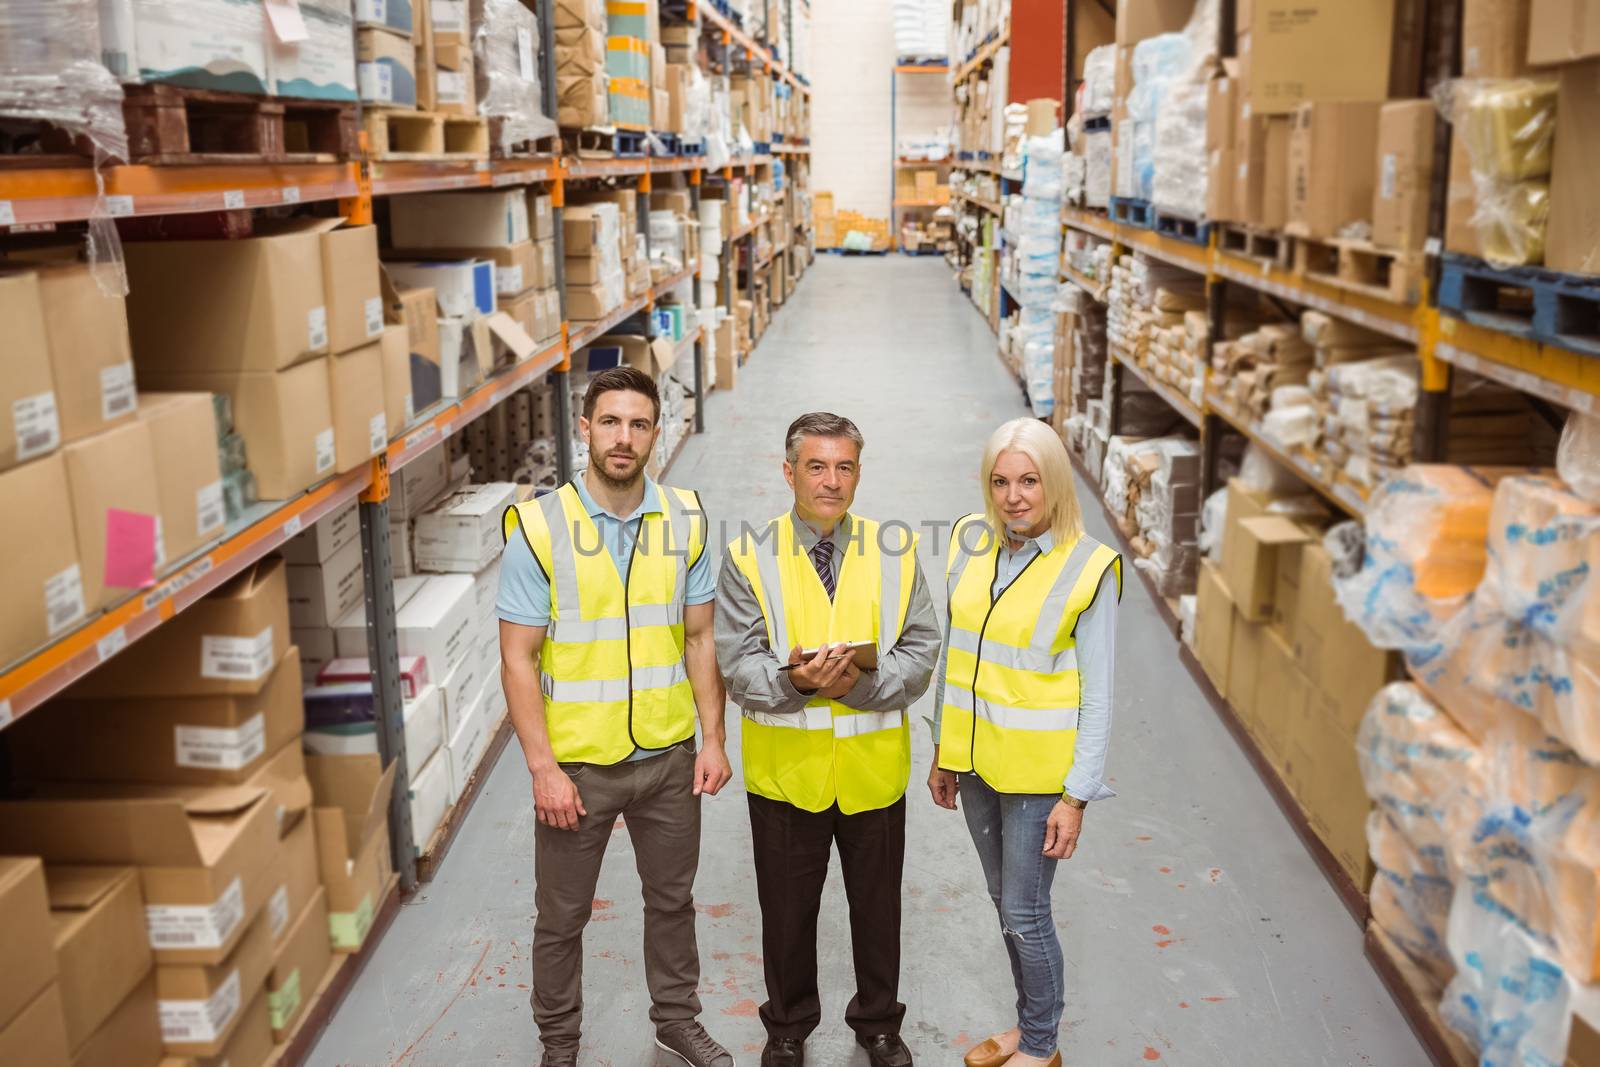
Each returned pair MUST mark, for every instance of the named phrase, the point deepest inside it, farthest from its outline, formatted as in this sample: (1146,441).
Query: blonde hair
(1039,443)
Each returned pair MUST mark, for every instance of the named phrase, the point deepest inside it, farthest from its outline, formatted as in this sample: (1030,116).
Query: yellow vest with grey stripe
(611,668)
(1011,686)
(829,752)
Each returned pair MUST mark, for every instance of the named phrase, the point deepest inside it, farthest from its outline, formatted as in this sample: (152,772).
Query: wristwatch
(1072,801)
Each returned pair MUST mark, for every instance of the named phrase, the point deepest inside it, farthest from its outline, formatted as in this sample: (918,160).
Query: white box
(419,483)
(322,593)
(206,44)
(466,748)
(436,623)
(326,536)
(430,796)
(463,288)
(426,221)
(485,591)
(424,731)
(461,688)
(350,632)
(396,15)
(400,564)
(462,533)
(459,370)
(323,65)
(488,646)
(317,646)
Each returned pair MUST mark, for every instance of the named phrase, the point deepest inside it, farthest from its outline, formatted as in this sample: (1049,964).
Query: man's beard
(612,482)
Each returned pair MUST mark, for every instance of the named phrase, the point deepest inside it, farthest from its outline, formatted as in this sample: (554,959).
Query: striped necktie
(822,557)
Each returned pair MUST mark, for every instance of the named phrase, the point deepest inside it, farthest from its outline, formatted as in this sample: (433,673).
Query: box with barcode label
(321,594)
(209,740)
(90,356)
(41,555)
(463,532)
(299,965)
(201,1006)
(355,389)
(352,292)
(225,643)
(30,423)
(116,509)
(183,437)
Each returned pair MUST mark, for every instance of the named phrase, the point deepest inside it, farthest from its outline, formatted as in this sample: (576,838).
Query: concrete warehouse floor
(1197,929)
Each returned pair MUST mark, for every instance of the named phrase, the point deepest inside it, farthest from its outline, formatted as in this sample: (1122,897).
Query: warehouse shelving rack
(44,196)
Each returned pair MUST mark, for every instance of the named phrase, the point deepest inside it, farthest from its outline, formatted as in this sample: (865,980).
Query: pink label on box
(130,549)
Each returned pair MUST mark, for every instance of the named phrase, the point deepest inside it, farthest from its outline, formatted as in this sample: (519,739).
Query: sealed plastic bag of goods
(1099,81)
(506,40)
(1578,460)
(1179,155)
(1509,128)
(1533,851)
(1426,532)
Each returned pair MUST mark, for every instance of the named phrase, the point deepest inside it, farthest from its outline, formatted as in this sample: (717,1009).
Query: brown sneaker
(690,1043)
(559,1057)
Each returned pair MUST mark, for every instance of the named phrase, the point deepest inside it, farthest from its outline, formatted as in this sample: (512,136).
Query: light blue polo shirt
(524,597)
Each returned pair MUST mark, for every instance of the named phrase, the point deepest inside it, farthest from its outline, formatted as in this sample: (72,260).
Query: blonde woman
(1023,708)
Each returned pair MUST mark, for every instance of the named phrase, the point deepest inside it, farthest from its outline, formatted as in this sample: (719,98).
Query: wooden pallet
(1263,246)
(1541,305)
(530,149)
(1129,212)
(423,136)
(1193,231)
(176,124)
(606,144)
(1361,267)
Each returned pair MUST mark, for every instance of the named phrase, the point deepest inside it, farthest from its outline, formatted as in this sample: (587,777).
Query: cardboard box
(350,286)
(255,304)
(395,15)
(90,358)
(37,1034)
(1214,613)
(395,355)
(1333,653)
(418,311)
(1495,38)
(322,594)
(283,776)
(130,1036)
(103,951)
(30,418)
(299,965)
(1405,174)
(1461,203)
(1251,557)
(226,643)
(462,288)
(183,442)
(429,794)
(297,874)
(1583,1048)
(285,418)
(541,216)
(31,964)
(179,741)
(325,537)
(463,532)
(322,66)
(386,68)
(1300,51)
(356,393)
(1562,31)
(251,1043)
(355,886)
(1138,19)
(357,790)
(437,622)
(1280,698)
(1335,797)
(1332,156)
(466,747)
(204,855)
(1244,658)
(727,355)
(423,718)
(206,44)
(1572,241)
(433,221)
(116,510)
(42,568)
(202,1004)
(1261,188)
(455,84)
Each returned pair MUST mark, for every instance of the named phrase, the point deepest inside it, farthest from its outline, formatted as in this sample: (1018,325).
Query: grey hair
(819,424)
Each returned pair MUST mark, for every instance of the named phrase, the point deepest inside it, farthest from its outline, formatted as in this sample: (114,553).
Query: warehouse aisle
(1198,931)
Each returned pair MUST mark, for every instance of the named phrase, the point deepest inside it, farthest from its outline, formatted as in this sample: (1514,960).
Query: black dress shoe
(784,1052)
(885,1050)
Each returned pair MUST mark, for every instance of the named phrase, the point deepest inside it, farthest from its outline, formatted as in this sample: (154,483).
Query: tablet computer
(863,653)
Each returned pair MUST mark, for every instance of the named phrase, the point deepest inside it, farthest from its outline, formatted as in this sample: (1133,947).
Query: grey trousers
(656,800)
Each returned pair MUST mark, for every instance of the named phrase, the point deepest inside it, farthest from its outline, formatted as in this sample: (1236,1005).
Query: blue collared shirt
(524,596)
(1097,652)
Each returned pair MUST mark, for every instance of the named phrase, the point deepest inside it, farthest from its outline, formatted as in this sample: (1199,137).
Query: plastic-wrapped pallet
(1099,81)
(51,71)
(1423,775)
(1178,164)
(505,39)
(1036,219)
(1508,127)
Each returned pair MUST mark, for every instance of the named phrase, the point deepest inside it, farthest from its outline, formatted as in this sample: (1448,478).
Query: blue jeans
(1008,830)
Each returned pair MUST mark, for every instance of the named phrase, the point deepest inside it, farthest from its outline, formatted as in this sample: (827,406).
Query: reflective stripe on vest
(1018,730)
(611,666)
(828,752)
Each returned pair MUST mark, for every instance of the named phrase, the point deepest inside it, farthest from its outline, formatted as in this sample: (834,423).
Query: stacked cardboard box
(387,72)
(582,89)
(33,1025)
(196,742)
(1152,487)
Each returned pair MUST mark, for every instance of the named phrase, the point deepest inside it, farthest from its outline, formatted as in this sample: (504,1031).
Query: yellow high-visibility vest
(1011,686)
(611,668)
(829,752)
